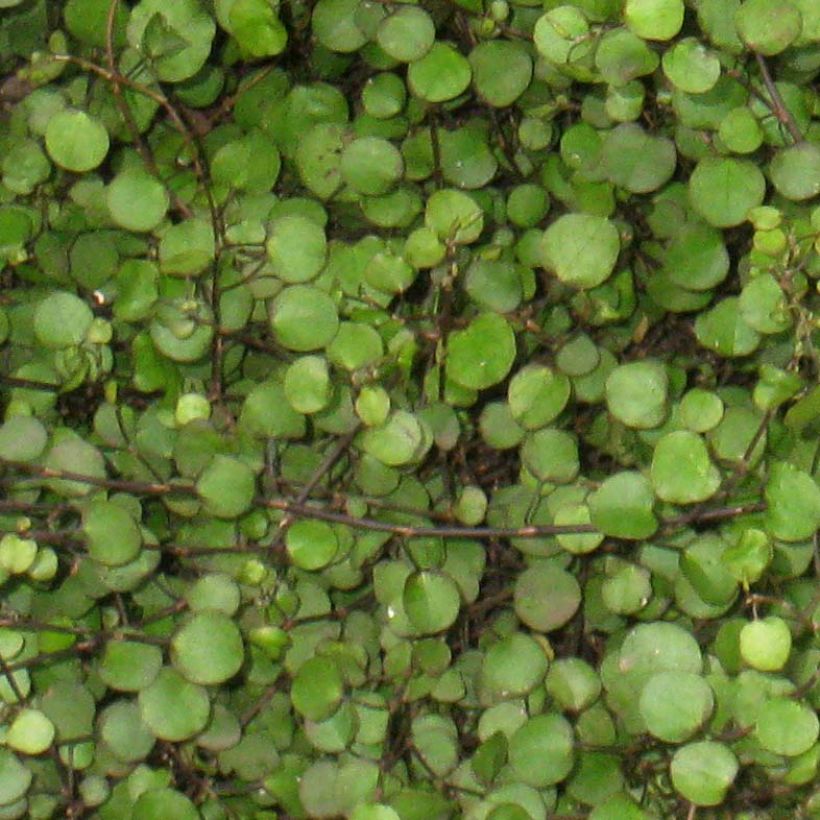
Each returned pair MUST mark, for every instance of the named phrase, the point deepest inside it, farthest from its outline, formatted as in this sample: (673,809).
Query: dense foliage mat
(410,410)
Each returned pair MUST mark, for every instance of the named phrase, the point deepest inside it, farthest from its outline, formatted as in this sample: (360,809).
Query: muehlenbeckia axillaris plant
(409,410)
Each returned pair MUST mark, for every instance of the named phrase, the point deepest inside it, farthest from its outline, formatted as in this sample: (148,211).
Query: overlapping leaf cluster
(410,410)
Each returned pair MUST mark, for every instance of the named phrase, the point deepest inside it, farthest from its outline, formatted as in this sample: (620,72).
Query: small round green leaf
(208,648)
(765,644)
(303,318)
(374,811)
(654,19)
(16,229)
(596,776)
(129,666)
(215,591)
(317,158)
(176,37)
(24,167)
(768,26)
(700,410)
(627,589)
(70,707)
(384,95)
(78,456)
(336,733)
(622,507)
(763,305)
(441,74)
(578,543)
(471,506)
(581,249)
(636,393)
(124,732)
(389,273)
(31,732)
(542,751)
(637,161)
(397,441)
(311,545)
(562,35)
(257,28)
(76,141)
(15,778)
(154,804)
(723,190)
(467,161)
(703,569)
(675,705)
(537,395)
(87,20)
(482,354)
(297,248)
(174,708)
(527,205)
(579,356)
(226,487)
(113,536)
(573,683)
(373,408)
(682,471)
(696,257)
(747,559)
(62,320)
(792,503)
(502,70)
(703,772)
(371,165)
(656,647)
(498,427)
(251,163)
(786,726)
(334,25)
(431,601)
(512,667)
(267,413)
(307,384)
(22,438)
(407,34)
(691,66)
(494,285)
(187,248)
(435,739)
(723,329)
(136,200)
(740,131)
(354,346)
(17,554)
(618,807)
(454,216)
(541,612)
(181,331)
(317,688)
(622,56)
(551,455)
(795,171)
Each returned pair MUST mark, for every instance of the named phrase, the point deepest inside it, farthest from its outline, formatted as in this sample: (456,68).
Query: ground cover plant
(409,410)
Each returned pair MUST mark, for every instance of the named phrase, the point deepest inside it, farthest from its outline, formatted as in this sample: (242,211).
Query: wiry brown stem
(300,508)
(136,487)
(778,107)
(318,474)
(116,89)
(7,673)
(29,384)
